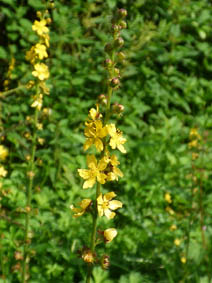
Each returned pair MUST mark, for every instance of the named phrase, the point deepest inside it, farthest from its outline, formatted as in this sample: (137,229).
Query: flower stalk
(103,167)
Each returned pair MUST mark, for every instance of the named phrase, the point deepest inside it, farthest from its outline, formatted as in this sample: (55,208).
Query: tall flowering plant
(103,166)
(36,56)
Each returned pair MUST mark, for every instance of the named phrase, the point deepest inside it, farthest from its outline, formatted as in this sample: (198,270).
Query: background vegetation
(166,91)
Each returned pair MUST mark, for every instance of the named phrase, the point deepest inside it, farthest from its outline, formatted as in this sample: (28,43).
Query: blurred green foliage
(166,90)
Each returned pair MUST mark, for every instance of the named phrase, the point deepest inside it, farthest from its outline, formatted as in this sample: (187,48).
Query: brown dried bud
(105,263)
(18,255)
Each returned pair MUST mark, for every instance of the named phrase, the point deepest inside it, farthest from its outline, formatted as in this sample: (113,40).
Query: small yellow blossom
(193,143)
(3,152)
(94,173)
(194,133)
(38,101)
(170,210)
(44,87)
(41,141)
(116,140)
(177,242)
(94,114)
(168,198)
(183,259)
(105,205)
(39,126)
(3,172)
(88,256)
(95,132)
(113,171)
(173,227)
(110,234)
(40,50)
(84,204)
(40,27)
(41,71)
(30,56)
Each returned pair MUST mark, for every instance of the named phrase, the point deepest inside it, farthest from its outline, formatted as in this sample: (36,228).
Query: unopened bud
(122,13)
(105,263)
(28,209)
(118,108)
(49,20)
(115,82)
(102,99)
(123,25)
(115,28)
(108,63)
(39,15)
(87,255)
(117,72)
(18,256)
(119,42)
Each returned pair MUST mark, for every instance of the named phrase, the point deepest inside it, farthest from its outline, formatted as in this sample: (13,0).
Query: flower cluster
(35,55)
(104,137)
(3,156)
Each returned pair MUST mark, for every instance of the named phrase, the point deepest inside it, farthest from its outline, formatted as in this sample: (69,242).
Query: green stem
(29,197)
(3,94)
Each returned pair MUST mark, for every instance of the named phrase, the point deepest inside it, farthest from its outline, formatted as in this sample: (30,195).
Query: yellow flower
(3,172)
(40,50)
(105,205)
(116,140)
(193,143)
(88,256)
(41,71)
(94,133)
(177,242)
(94,114)
(183,259)
(110,234)
(3,153)
(38,101)
(194,133)
(39,126)
(41,141)
(40,27)
(45,37)
(31,55)
(113,171)
(173,227)
(94,173)
(168,198)
(84,204)
(170,210)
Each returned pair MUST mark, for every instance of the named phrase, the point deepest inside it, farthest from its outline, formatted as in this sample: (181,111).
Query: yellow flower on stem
(168,198)
(94,133)
(3,172)
(40,50)
(177,242)
(114,172)
(116,140)
(193,143)
(110,234)
(41,71)
(3,153)
(40,27)
(84,204)
(38,102)
(194,133)
(105,205)
(95,173)
(183,259)
(94,114)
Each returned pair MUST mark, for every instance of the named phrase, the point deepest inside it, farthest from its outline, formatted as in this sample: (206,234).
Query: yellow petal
(93,113)
(112,143)
(101,178)
(110,234)
(111,129)
(89,183)
(115,204)
(85,203)
(109,214)
(87,144)
(102,164)
(99,144)
(117,171)
(121,148)
(84,173)
(109,196)
(91,161)
(100,199)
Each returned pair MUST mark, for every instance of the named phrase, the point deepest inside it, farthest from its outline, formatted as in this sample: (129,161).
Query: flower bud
(115,28)
(115,82)
(108,63)
(117,72)
(123,25)
(117,108)
(121,56)
(105,262)
(102,99)
(87,255)
(119,42)
(122,13)
(39,15)
(49,20)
